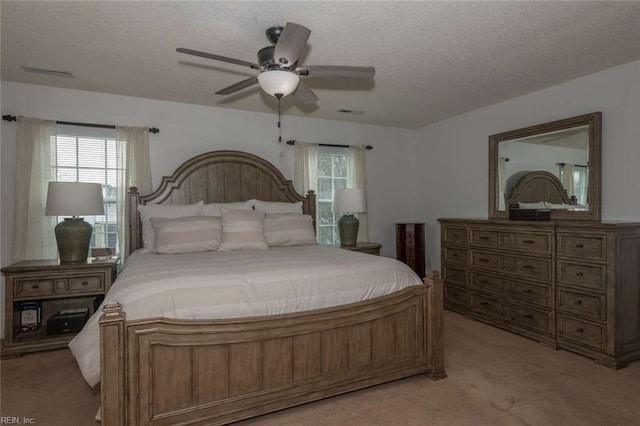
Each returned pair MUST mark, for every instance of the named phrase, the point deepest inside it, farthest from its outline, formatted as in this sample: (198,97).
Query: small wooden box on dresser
(571,285)
(55,287)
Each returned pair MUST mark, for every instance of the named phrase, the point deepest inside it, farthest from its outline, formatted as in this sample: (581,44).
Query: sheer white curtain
(134,169)
(502,165)
(33,235)
(305,167)
(357,178)
(566,176)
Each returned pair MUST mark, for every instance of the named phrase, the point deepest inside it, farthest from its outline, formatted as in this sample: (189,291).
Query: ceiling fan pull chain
(279,126)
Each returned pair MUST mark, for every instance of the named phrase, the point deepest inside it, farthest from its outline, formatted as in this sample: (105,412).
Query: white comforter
(213,285)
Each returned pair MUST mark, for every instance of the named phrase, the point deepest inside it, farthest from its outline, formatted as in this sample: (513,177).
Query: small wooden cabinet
(369,248)
(53,287)
(410,245)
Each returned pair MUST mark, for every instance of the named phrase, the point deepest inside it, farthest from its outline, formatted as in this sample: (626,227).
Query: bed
(534,187)
(165,371)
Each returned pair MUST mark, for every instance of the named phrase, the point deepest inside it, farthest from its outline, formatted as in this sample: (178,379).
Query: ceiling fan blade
(304,94)
(217,57)
(238,86)
(336,71)
(290,44)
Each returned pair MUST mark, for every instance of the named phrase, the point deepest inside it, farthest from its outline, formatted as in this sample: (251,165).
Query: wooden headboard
(532,187)
(217,177)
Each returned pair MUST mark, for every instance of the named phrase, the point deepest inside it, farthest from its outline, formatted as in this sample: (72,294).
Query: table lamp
(73,235)
(349,201)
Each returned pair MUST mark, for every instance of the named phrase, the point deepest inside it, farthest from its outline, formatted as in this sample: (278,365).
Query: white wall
(187,130)
(452,155)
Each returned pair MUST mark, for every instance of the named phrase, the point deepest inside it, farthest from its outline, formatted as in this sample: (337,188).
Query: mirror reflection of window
(574,178)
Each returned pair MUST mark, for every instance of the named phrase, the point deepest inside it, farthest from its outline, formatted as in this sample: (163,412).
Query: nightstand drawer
(86,283)
(32,287)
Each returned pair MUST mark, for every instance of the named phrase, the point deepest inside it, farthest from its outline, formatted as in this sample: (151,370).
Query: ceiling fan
(279,69)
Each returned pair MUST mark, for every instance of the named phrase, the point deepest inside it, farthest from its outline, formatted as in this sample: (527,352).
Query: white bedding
(214,285)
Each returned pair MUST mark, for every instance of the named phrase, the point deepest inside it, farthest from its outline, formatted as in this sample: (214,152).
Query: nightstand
(46,287)
(370,248)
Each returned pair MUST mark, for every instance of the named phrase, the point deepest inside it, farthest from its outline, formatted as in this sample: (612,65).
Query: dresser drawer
(485,283)
(453,235)
(485,260)
(582,246)
(455,295)
(591,306)
(86,283)
(527,292)
(529,318)
(455,275)
(529,242)
(455,255)
(525,267)
(580,331)
(588,276)
(483,304)
(484,238)
(33,287)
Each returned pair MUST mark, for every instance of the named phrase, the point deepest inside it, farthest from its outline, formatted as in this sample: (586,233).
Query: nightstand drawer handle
(528,316)
(580,330)
(529,267)
(579,245)
(578,302)
(528,242)
(35,286)
(483,260)
(528,291)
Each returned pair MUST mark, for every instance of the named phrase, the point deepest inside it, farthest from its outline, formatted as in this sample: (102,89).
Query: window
(86,154)
(333,169)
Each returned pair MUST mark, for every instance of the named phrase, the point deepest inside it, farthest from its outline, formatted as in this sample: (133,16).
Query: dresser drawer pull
(35,286)
(484,238)
(84,283)
(579,245)
(578,302)
(580,330)
(484,303)
(454,235)
(454,254)
(485,282)
(528,316)
(454,294)
(528,242)
(579,274)
(528,291)
(529,267)
(483,260)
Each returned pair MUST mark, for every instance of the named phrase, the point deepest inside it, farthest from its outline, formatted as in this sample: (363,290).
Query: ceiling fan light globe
(278,82)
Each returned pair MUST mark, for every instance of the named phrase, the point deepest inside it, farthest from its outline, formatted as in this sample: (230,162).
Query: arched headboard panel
(218,177)
(533,187)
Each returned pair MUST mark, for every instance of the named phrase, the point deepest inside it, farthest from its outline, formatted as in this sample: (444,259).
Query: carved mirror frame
(594,123)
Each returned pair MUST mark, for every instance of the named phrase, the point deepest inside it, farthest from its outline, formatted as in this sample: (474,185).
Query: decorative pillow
(186,234)
(289,229)
(213,209)
(538,205)
(163,211)
(242,230)
(274,207)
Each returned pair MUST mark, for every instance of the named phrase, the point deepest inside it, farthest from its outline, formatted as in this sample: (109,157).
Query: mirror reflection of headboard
(535,187)
(568,149)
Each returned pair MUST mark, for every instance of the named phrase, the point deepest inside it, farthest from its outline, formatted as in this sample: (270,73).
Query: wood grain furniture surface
(365,247)
(160,371)
(570,285)
(56,287)
(410,245)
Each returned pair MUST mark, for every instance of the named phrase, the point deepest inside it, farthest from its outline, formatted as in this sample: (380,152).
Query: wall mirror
(553,166)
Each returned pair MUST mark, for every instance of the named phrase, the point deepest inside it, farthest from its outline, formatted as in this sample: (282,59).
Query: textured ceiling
(433,60)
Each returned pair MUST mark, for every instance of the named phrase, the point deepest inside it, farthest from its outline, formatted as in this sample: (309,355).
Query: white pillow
(163,211)
(289,229)
(538,205)
(275,207)
(242,230)
(186,234)
(552,206)
(213,209)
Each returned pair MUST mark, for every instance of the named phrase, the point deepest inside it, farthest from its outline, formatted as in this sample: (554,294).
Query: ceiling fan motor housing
(265,57)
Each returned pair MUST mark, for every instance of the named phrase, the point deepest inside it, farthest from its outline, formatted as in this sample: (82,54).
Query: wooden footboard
(166,372)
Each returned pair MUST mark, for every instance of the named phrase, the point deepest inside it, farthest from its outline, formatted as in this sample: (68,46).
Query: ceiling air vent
(54,73)
(351,111)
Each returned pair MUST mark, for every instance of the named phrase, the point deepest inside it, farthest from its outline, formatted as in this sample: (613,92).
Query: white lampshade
(349,201)
(277,82)
(74,199)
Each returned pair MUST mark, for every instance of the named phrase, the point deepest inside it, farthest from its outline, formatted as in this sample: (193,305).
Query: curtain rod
(575,165)
(293,142)
(153,130)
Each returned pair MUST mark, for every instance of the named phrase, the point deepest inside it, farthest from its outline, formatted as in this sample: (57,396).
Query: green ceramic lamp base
(73,237)
(348,230)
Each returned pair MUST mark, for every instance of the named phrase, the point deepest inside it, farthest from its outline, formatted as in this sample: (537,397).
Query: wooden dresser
(410,245)
(570,285)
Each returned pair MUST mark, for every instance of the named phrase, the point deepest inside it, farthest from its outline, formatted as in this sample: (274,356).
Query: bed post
(435,331)
(112,365)
(134,233)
